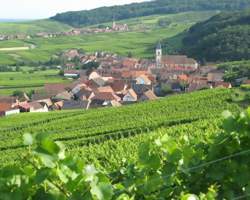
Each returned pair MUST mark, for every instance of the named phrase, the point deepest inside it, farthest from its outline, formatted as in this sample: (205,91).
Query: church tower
(158,55)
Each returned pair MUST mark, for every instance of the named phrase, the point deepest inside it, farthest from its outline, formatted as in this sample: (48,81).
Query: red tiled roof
(56,87)
(178,59)
(129,62)
(105,89)
(5,107)
(118,85)
(106,96)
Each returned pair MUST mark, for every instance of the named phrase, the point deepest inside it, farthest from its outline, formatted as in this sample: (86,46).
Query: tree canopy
(107,14)
(224,37)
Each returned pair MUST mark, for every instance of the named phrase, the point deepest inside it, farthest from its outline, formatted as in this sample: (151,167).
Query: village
(116,81)
(73,32)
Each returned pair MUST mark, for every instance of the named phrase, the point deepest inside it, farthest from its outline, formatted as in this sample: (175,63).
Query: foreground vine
(170,167)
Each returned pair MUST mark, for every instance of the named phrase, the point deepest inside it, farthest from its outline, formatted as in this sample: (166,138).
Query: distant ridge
(106,14)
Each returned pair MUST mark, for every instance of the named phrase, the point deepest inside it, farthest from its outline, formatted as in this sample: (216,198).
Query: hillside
(140,40)
(106,14)
(224,37)
(32,27)
(92,134)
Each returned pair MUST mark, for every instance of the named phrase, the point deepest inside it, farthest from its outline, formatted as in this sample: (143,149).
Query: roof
(72,72)
(213,77)
(24,105)
(94,75)
(140,89)
(106,96)
(56,87)
(105,89)
(223,84)
(35,105)
(5,106)
(75,105)
(146,80)
(132,93)
(150,95)
(178,59)
(41,94)
(133,73)
(183,77)
(99,81)
(129,62)
(63,96)
(8,99)
(118,85)
(83,92)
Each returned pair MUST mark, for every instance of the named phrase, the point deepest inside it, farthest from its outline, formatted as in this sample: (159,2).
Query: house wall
(128,98)
(45,109)
(12,112)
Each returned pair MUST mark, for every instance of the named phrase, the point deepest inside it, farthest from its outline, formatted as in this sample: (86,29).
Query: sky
(39,9)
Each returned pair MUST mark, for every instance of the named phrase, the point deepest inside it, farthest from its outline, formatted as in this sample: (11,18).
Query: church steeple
(158,55)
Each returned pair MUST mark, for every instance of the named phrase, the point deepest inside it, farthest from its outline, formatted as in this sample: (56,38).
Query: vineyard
(185,147)
(102,136)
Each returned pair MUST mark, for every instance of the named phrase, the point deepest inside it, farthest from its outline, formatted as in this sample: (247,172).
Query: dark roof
(140,89)
(68,105)
(83,92)
(8,99)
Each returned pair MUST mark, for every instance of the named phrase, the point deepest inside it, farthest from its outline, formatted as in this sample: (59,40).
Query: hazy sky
(34,9)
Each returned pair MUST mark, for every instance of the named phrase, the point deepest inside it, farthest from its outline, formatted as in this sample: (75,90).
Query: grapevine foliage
(167,168)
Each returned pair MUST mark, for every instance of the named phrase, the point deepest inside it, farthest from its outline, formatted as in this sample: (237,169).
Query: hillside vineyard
(86,128)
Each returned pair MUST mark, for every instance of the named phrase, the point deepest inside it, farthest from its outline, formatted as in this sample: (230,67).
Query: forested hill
(224,37)
(106,14)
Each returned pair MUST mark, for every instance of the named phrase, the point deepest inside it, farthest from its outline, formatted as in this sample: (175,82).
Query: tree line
(107,14)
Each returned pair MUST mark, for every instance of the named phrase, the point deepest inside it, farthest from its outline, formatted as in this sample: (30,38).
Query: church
(174,61)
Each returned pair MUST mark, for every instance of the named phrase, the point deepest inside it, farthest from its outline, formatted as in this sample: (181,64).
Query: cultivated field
(27,80)
(105,137)
(140,41)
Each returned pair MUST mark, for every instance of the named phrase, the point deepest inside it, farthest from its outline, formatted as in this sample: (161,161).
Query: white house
(130,96)
(38,107)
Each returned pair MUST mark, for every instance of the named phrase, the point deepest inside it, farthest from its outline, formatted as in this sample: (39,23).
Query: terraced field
(105,136)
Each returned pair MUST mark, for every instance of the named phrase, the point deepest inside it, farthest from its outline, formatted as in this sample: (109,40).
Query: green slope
(99,127)
(224,37)
(32,27)
(145,33)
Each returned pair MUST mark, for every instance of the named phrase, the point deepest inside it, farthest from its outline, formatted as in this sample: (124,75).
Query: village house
(148,96)
(130,96)
(7,109)
(72,74)
(36,107)
(119,27)
(178,62)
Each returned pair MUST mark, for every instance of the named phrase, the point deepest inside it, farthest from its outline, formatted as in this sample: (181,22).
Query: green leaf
(189,197)
(27,139)
(102,191)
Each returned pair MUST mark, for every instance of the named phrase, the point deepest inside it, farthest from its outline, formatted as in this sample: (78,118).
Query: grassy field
(32,27)
(26,81)
(140,41)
